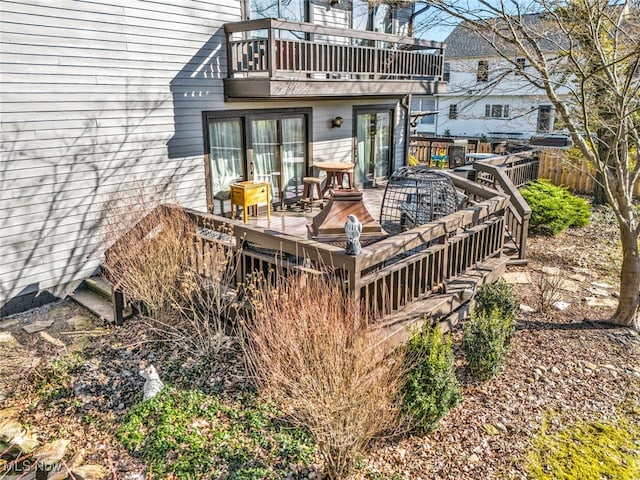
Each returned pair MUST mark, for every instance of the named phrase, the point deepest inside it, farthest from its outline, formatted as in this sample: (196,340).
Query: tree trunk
(629,303)
(599,197)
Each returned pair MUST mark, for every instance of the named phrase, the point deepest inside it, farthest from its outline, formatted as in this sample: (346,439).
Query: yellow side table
(250,194)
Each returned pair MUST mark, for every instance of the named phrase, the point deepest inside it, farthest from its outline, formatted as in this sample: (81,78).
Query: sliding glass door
(278,153)
(373,146)
(226,155)
(257,145)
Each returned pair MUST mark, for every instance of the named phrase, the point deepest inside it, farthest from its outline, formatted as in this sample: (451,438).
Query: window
(421,105)
(268,145)
(293,10)
(374,18)
(496,111)
(446,72)
(483,71)
(453,111)
(520,64)
(545,118)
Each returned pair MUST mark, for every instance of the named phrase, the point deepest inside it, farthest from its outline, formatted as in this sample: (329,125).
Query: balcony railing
(281,50)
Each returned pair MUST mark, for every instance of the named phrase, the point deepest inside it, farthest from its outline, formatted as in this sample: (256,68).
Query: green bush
(431,388)
(500,296)
(586,451)
(187,434)
(554,209)
(485,342)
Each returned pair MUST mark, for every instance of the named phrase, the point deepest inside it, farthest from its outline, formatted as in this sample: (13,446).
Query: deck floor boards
(293,221)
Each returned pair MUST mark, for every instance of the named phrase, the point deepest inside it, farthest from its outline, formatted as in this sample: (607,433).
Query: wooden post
(117,300)
(271,54)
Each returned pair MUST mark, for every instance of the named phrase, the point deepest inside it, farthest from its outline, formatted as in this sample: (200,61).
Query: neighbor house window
(446,72)
(453,111)
(545,118)
(496,111)
(483,71)
(520,64)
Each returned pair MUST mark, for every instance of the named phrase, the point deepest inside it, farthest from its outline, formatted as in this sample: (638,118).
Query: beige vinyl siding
(98,98)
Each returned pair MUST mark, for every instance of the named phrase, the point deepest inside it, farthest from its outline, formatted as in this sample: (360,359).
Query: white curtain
(264,139)
(363,146)
(225,155)
(293,156)
(383,140)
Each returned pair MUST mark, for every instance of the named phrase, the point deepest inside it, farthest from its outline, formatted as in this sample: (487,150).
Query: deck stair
(94,294)
(445,309)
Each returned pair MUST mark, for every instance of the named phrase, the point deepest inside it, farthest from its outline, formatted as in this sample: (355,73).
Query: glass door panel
(382,142)
(373,147)
(226,155)
(264,140)
(364,146)
(293,156)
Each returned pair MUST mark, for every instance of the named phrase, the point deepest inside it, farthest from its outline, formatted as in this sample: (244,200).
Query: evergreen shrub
(600,449)
(500,296)
(554,209)
(485,342)
(431,388)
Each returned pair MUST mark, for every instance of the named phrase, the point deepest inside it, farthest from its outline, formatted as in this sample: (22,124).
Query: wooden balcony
(272,58)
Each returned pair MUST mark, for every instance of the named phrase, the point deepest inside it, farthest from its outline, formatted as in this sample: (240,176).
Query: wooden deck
(428,272)
(294,221)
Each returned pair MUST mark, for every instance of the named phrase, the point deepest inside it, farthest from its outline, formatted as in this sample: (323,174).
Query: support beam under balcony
(265,88)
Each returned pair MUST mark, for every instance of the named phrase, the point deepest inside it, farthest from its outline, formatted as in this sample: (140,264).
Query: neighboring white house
(185,97)
(487,95)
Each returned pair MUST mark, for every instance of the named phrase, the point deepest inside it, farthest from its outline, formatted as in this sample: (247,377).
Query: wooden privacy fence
(388,275)
(577,176)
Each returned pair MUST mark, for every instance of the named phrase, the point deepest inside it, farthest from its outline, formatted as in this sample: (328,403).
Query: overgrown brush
(485,342)
(310,351)
(153,261)
(554,209)
(547,288)
(431,388)
(147,260)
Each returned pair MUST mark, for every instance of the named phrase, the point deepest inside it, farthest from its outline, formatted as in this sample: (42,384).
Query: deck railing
(388,275)
(278,48)
(506,173)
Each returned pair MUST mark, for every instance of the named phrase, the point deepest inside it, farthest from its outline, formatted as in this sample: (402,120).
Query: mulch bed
(562,365)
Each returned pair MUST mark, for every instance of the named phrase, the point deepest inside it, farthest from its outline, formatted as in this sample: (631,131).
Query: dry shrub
(149,250)
(153,262)
(547,288)
(311,352)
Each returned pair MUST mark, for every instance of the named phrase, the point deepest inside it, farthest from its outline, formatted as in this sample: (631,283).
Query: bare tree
(593,81)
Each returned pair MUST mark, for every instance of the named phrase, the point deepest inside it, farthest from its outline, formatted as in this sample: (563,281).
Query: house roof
(464,41)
